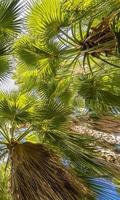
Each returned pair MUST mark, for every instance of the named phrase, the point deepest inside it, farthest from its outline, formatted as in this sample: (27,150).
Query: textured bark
(107,124)
(37,174)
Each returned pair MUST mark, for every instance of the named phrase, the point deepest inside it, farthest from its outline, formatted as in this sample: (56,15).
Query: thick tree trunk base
(37,174)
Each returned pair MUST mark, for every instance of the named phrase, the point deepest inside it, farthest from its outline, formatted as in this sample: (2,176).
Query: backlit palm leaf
(101,92)
(34,55)
(24,115)
(10,17)
(46,20)
(9,25)
(61,37)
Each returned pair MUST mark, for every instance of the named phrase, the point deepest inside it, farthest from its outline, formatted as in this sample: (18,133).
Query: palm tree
(38,166)
(81,28)
(62,53)
(57,50)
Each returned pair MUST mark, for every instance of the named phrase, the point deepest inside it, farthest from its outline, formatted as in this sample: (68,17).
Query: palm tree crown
(66,58)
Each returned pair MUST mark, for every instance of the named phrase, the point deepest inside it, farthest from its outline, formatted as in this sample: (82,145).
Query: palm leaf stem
(70,38)
(73,34)
(24,134)
(62,39)
(108,62)
(96,63)
(80,30)
(89,64)
(4,134)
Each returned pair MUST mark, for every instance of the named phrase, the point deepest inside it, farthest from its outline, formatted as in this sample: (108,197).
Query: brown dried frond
(101,39)
(37,174)
(107,124)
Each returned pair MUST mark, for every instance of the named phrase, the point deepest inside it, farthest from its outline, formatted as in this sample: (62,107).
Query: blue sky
(107,190)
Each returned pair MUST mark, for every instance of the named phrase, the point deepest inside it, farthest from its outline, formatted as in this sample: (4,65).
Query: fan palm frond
(15,108)
(78,9)
(98,89)
(79,151)
(25,115)
(10,17)
(60,36)
(51,112)
(10,25)
(45,19)
(34,55)
(4,67)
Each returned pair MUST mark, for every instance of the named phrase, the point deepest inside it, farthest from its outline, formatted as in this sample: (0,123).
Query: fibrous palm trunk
(107,124)
(37,174)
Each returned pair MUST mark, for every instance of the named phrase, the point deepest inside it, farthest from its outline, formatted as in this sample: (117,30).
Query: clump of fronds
(38,174)
(101,39)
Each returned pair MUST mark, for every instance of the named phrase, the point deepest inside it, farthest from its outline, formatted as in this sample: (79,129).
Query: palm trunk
(37,174)
(107,124)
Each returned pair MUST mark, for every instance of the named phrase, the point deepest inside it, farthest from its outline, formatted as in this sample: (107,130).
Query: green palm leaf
(9,17)
(45,19)
(15,108)
(10,23)
(96,92)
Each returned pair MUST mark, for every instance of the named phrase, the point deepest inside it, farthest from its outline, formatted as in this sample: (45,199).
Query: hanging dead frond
(38,174)
(101,39)
(107,124)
